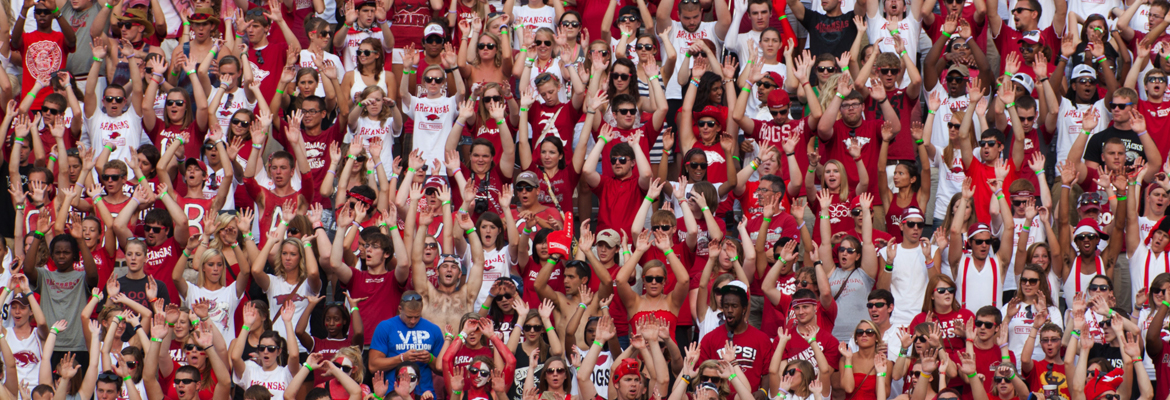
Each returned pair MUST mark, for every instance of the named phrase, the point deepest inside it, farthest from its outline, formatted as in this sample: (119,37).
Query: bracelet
(248,235)
(129,377)
(1000,197)
(973,375)
(279,91)
(153,340)
(1013,376)
(840,95)
(824,217)
(99,59)
(754,165)
(1142,133)
(732,377)
(883,374)
(667,252)
(596,343)
(1009,105)
(768,220)
(684,378)
(1122,198)
(256,146)
(736,158)
(889,267)
(1086,132)
(96,296)
(307,244)
(603,139)
(929,111)
(55,330)
(195,321)
(469,231)
(306,365)
(1006,358)
(186,254)
(745,89)
(549,329)
(845,68)
(847,366)
(246,328)
(626,252)
(948,35)
(1166,303)
(1078,334)
(1027,228)
(523,109)
(705,208)
(648,199)
(781,259)
(191,72)
(1040,172)
(1137,360)
(919,141)
(814,340)
(583,306)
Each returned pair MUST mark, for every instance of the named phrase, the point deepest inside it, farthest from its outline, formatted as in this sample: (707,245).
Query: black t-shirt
(135,289)
(1133,145)
(1113,354)
(833,35)
(7,210)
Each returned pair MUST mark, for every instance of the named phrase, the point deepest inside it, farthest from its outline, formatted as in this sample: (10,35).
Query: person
(444,301)
(831,30)
(913,251)
(296,277)
(684,33)
(115,121)
(1084,239)
(990,267)
(272,370)
(213,275)
(653,303)
(24,309)
(619,192)
(44,44)
(850,289)
(748,343)
(269,53)
(434,112)
(407,340)
(1032,301)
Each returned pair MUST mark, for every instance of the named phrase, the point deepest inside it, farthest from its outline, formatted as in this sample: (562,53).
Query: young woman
(213,276)
(940,307)
(835,179)
(540,46)
(237,92)
(272,368)
(707,313)
(487,57)
(339,384)
(376,117)
(863,372)
(535,16)
(768,48)
(477,333)
(908,179)
(430,134)
(949,161)
(571,37)
(296,275)
(850,289)
(491,121)
(539,349)
(178,124)
(1033,300)
(502,306)
(370,71)
(337,321)
(257,321)
(702,133)
(654,303)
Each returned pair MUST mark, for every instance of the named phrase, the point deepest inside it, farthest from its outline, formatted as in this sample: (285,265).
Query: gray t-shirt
(67,294)
(81,58)
(851,302)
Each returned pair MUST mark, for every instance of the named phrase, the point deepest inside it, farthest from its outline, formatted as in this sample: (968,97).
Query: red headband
(360,198)
(803,302)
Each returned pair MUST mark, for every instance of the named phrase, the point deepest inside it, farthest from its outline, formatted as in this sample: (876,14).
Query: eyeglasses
(707,124)
(849,250)
(913,224)
(259,56)
(1030,281)
(1157,291)
(52,111)
(492,99)
(920,339)
(951,125)
(268,349)
(431,245)
(241,123)
(697,55)
(889,71)
(850,106)
(175,103)
(956,79)
(1098,288)
(661,228)
(1156,79)
(619,160)
(945,290)
(988,143)
(434,79)
(111,177)
(696,165)
(154,229)
(293,231)
(1119,106)
(826,69)
(525,188)
(183,381)
(627,111)
(865,332)
(603,53)
(984,324)
(619,76)
(654,279)
(132,364)
(1087,81)
(114,99)
(1086,236)
(366,53)
(208,147)
(879,304)
(1018,10)
(556,371)
(433,39)
(533,328)
(416,296)
(486,46)
(805,284)
(646,47)
(546,43)
(570,24)
(481,372)
(1050,340)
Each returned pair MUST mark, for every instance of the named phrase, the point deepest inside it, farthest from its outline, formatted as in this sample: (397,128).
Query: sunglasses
(1002,379)
(190,347)
(619,160)
(153,229)
(980,242)
(112,177)
(945,290)
(1027,120)
(546,43)
(956,79)
(767,85)
(268,349)
(1119,106)
(1157,291)
(1030,281)
(294,231)
(525,188)
(654,279)
(697,55)
(627,111)
(434,79)
(826,69)
(365,53)
(865,332)
(486,46)
(1106,323)
(696,165)
(628,18)
(183,381)
(805,283)
(432,245)
(951,125)
(710,379)
(1098,288)
(570,24)
(646,47)
(1050,340)
(849,250)
(879,304)
(790,372)
(557,371)
(856,212)
(920,339)
(132,364)
(620,77)
(241,123)
(416,296)
(988,143)
(779,112)
(175,103)
(123,25)
(706,124)
(433,39)
(1087,81)
(481,372)
(492,99)
(114,99)
(603,53)
(1018,10)
(533,328)
(913,224)
(52,111)
(661,228)
(984,324)
(1156,79)
(1086,236)
(208,147)
(1111,397)
(889,71)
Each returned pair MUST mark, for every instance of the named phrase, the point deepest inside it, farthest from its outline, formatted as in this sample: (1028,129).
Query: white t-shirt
(1145,225)
(681,40)
(950,180)
(353,40)
(209,191)
(1144,265)
(601,372)
(754,105)
(1035,235)
(1141,20)
(307,62)
(497,264)
(432,123)
(1141,88)
(939,134)
(227,108)
(1071,286)
(1085,8)
(280,290)
(908,282)
(276,380)
(879,30)
(223,306)
(27,353)
(1068,125)
(544,17)
(160,105)
(367,129)
(125,132)
(973,283)
(1020,327)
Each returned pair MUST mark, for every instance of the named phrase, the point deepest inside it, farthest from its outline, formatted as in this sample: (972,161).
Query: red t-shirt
(934,30)
(1162,371)
(317,151)
(196,210)
(490,131)
(768,133)
(1157,123)
(619,200)
(649,137)
(1040,368)
(774,317)
(903,147)
(980,174)
(409,18)
(839,216)
(328,348)
(44,55)
(798,349)
(491,188)
(1031,147)
(164,133)
(556,281)
(753,351)
(1008,42)
(541,116)
(385,288)
(869,133)
(950,324)
(563,183)
(160,261)
(273,204)
(269,65)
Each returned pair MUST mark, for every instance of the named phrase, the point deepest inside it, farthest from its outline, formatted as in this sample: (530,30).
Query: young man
(268,58)
(1026,15)
(805,307)
(1068,119)
(890,67)
(982,343)
(990,159)
(1129,126)
(1153,105)
(445,302)
(22,339)
(164,244)
(66,288)
(759,14)
(44,50)
(1146,16)
(360,24)
(973,12)
(115,123)
(199,196)
(1051,369)
(407,339)
(623,190)
(851,129)
(308,139)
(751,346)
(374,280)
(831,31)
(775,133)
(688,31)
(270,202)
(978,269)
(908,255)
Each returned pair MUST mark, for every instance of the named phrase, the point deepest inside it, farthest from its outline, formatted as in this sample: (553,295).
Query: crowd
(585,199)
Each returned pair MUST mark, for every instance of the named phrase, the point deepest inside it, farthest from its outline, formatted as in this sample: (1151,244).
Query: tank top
(894,215)
(359,84)
(185,81)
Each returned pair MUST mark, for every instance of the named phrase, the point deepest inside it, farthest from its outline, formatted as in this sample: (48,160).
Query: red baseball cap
(778,98)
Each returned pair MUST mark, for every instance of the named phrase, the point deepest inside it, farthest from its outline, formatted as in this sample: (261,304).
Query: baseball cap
(195,161)
(1082,71)
(610,237)
(962,69)
(528,177)
(434,182)
(433,29)
(734,287)
(1024,79)
(912,212)
(1089,201)
(778,98)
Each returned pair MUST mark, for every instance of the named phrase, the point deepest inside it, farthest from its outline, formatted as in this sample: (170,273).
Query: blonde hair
(384,114)
(302,267)
(203,257)
(354,354)
(843,191)
(222,221)
(499,58)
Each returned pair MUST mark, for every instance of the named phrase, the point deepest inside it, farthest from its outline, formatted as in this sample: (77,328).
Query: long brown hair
(1044,289)
(928,302)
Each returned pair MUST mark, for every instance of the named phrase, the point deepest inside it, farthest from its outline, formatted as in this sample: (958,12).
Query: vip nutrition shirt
(392,337)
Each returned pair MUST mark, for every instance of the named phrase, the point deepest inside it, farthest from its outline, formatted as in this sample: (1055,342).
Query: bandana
(359,197)
(802,302)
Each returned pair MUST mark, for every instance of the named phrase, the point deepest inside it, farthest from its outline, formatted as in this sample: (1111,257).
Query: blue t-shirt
(392,337)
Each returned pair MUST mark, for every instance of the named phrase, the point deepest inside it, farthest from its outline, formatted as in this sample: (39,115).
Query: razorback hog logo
(115,135)
(224,113)
(432,117)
